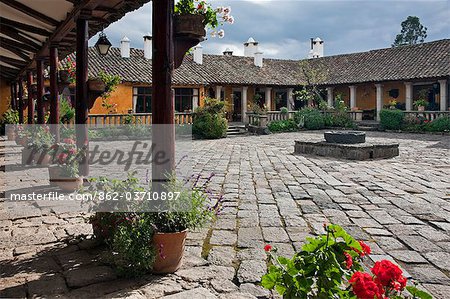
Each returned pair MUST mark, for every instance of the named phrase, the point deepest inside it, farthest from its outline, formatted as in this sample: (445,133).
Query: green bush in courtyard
(310,118)
(391,119)
(441,124)
(210,121)
(287,125)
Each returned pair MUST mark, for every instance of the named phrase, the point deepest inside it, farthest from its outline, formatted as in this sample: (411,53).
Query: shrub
(287,125)
(67,112)
(311,119)
(210,121)
(339,119)
(391,119)
(441,124)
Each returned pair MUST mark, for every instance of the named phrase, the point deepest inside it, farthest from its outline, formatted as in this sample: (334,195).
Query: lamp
(103,44)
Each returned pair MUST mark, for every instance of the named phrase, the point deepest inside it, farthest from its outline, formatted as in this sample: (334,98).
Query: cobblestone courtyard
(399,206)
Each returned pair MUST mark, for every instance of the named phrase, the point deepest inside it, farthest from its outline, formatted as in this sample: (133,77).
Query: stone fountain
(349,145)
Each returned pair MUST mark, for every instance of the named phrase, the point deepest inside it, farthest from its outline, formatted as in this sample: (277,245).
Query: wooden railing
(98,120)
(428,115)
(278,115)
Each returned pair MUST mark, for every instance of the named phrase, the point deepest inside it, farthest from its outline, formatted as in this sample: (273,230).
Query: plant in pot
(42,140)
(64,173)
(190,20)
(67,71)
(143,242)
(10,118)
(420,105)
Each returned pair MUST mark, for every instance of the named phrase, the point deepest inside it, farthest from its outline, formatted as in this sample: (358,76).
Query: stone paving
(399,206)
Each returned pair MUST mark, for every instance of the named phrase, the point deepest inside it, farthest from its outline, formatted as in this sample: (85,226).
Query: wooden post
(162,101)
(14,95)
(81,95)
(54,104)
(20,101)
(30,98)
(40,91)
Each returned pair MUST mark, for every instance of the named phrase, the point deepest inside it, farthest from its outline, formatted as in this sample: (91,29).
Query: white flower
(219,9)
(227,10)
(213,33)
(225,18)
(221,33)
(231,20)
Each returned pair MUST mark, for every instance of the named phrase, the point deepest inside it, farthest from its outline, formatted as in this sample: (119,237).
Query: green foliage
(416,293)
(66,111)
(287,125)
(111,82)
(311,119)
(338,120)
(412,32)
(420,102)
(440,124)
(317,270)
(213,17)
(10,117)
(284,110)
(339,103)
(210,121)
(391,119)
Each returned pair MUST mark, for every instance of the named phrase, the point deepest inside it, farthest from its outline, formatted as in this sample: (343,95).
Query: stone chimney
(125,47)
(228,52)
(316,48)
(198,54)
(259,59)
(148,51)
(250,47)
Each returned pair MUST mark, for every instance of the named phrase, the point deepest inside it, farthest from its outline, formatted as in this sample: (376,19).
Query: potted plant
(65,173)
(420,105)
(190,20)
(67,71)
(153,241)
(10,118)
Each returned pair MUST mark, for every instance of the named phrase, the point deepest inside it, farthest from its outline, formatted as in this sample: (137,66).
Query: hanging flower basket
(96,85)
(64,77)
(189,30)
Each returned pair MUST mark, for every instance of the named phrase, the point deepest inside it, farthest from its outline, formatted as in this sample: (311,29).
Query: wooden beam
(15,35)
(30,12)
(25,27)
(17,45)
(20,99)
(30,98)
(12,61)
(16,51)
(40,91)
(162,102)
(81,97)
(54,103)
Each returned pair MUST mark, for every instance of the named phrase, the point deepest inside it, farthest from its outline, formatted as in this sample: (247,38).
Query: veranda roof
(29,27)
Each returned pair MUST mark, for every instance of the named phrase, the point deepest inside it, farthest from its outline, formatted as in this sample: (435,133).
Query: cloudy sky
(284,28)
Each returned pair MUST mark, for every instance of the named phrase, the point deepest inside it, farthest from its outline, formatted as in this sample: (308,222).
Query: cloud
(284,28)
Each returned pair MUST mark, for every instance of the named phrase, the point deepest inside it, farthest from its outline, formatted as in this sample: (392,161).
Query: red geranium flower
(69,141)
(364,287)
(365,247)
(268,247)
(348,260)
(62,158)
(388,274)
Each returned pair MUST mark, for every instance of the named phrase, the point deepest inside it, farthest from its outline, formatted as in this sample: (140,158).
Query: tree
(313,73)
(413,32)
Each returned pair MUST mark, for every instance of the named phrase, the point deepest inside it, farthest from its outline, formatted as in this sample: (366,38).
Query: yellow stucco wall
(122,97)
(5,96)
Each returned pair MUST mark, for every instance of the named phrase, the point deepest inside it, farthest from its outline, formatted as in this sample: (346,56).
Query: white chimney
(317,47)
(198,54)
(125,47)
(250,47)
(228,52)
(259,59)
(148,51)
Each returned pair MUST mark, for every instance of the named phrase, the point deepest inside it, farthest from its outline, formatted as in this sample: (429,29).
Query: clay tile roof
(427,60)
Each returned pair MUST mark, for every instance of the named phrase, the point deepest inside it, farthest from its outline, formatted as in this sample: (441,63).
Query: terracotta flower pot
(170,251)
(11,133)
(96,85)
(54,174)
(189,25)
(420,108)
(42,158)
(28,155)
(70,184)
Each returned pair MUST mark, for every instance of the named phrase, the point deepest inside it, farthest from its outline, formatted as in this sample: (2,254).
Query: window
(142,99)
(185,99)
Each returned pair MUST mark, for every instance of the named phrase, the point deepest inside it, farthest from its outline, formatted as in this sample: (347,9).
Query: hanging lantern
(103,44)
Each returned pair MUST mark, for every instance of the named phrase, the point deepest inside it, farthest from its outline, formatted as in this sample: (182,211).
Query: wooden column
(20,101)
(30,98)
(40,91)
(81,94)
(14,95)
(54,103)
(162,101)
